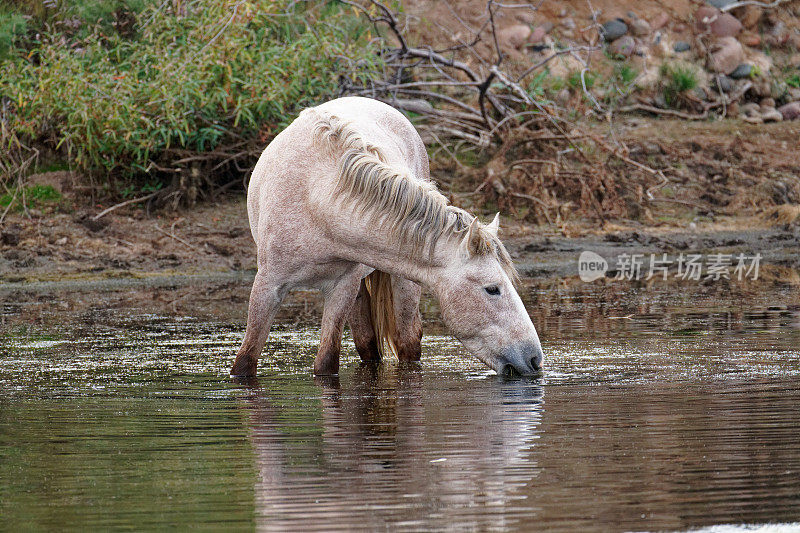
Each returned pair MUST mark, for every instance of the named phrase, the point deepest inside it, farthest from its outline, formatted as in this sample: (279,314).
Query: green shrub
(191,88)
(677,78)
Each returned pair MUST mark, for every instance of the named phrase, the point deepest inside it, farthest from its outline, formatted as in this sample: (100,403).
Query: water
(661,409)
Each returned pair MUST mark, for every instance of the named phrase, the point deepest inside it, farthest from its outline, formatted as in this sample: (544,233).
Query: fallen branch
(173,236)
(123,204)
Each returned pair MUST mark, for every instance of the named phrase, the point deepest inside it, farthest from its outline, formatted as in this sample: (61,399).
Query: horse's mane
(414,209)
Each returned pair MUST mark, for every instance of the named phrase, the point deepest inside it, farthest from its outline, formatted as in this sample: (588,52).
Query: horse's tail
(379,287)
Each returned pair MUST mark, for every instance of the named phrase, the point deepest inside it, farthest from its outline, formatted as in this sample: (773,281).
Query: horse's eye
(494,290)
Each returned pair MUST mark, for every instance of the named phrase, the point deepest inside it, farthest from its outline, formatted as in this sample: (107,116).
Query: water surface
(660,409)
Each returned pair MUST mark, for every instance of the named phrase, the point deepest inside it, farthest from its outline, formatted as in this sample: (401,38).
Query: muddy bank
(213,242)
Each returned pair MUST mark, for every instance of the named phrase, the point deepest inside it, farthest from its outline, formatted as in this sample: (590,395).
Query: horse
(342,201)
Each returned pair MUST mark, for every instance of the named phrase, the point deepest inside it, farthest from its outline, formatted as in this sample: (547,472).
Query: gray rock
(742,71)
(681,46)
(719,4)
(723,83)
(613,29)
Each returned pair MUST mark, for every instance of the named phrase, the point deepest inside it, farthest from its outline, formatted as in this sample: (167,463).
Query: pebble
(515,36)
(726,25)
(719,4)
(790,111)
(569,23)
(751,39)
(742,71)
(537,35)
(640,27)
(659,21)
(726,55)
(723,83)
(750,108)
(624,46)
(682,46)
(614,29)
(750,16)
(767,102)
(771,115)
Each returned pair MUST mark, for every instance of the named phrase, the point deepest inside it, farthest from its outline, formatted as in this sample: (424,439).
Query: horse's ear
(472,241)
(494,225)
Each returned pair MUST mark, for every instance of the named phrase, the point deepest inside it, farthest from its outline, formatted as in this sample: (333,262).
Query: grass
(677,79)
(33,196)
(793,81)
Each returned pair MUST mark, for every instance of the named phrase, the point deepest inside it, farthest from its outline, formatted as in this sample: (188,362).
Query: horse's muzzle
(523,359)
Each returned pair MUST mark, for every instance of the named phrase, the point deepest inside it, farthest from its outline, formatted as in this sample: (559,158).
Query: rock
(681,46)
(749,15)
(563,96)
(790,111)
(569,23)
(624,46)
(719,4)
(726,55)
(640,27)
(733,109)
(709,19)
(794,61)
(751,39)
(742,71)
(723,83)
(771,114)
(762,63)
(753,119)
(613,29)
(726,25)
(514,36)
(767,102)
(793,93)
(526,16)
(750,108)
(704,16)
(10,235)
(537,35)
(659,21)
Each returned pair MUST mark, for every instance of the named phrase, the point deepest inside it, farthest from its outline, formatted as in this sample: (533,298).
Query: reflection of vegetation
(151,461)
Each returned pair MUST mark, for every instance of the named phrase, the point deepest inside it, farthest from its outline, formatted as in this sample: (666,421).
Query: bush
(200,89)
(677,78)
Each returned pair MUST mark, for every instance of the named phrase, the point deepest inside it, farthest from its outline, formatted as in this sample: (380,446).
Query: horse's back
(288,199)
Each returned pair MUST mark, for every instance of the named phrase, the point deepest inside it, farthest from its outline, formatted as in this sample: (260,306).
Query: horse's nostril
(536,363)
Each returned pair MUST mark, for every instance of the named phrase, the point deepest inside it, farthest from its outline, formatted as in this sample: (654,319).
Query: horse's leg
(265,298)
(338,300)
(360,320)
(407,317)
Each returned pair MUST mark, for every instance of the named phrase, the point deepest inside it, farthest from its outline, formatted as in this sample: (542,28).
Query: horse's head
(482,308)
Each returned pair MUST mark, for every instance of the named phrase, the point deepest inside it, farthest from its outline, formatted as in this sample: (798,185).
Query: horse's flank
(417,213)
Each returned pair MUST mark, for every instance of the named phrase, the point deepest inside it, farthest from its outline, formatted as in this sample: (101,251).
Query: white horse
(341,200)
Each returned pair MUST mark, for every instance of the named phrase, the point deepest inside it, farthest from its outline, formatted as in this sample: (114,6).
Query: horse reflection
(392,446)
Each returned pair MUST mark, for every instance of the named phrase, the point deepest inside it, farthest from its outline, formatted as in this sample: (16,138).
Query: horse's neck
(401,259)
